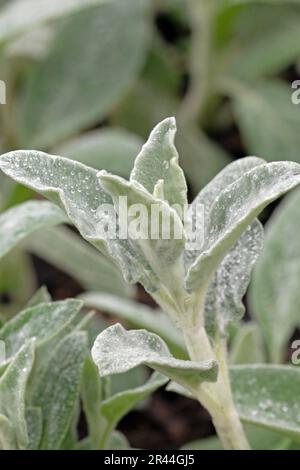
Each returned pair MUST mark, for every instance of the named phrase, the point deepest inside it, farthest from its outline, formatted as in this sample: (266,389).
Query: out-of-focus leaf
(201,158)
(265,395)
(138,316)
(268,120)
(275,295)
(42,322)
(58,389)
(19,16)
(268,396)
(156,90)
(62,248)
(117,350)
(110,149)
(112,42)
(20,221)
(264,39)
(247,345)
(12,394)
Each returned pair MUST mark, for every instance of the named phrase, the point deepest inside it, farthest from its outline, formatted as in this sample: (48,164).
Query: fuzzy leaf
(75,187)
(158,160)
(12,393)
(110,148)
(275,295)
(212,190)
(117,350)
(265,395)
(58,389)
(138,315)
(117,406)
(42,322)
(34,421)
(24,219)
(19,16)
(113,41)
(268,396)
(162,252)
(223,303)
(234,209)
(7,438)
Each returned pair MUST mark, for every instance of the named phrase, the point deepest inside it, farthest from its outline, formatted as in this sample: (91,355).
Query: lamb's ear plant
(200,288)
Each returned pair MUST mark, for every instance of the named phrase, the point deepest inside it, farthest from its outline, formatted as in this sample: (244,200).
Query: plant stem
(217,397)
(201,17)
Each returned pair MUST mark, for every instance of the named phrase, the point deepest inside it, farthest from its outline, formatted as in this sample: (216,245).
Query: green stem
(201,18)
(217,397)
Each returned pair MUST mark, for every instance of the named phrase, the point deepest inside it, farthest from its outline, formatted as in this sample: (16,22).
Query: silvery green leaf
(76,94)
(138,315)
(117,350)
(265,395)
(12,393)
(117,406)
(111,148)
(34,423)
(268,396)
(162,250)
(268,119)
(212,190)
(19,16)
(63,249)
(7,438)
(234,209)
(275,295)
(223,302)
(75,187)
(42,322)
(24,219)
(158,161)
(41,296)
(58,389)
(247,346)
